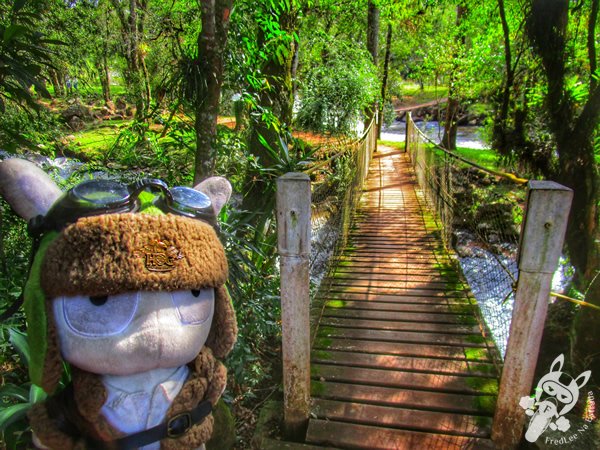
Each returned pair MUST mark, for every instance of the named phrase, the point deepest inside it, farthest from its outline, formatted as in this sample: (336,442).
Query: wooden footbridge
(399,359)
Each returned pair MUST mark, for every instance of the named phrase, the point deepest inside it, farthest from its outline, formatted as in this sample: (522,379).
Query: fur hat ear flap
(53,362)
(223,332)
(45,362)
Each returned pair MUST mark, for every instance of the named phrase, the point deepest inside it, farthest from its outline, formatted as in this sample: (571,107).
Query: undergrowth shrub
(337,89)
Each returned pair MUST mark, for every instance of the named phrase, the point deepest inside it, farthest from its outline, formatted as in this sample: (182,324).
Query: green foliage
(19,129)
(14,259)
(337,88)
(24,53)
(250,242)
(17,396)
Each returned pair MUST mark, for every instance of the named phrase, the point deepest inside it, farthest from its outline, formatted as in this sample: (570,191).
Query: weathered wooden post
(293,243)
(408,133)
(542,236)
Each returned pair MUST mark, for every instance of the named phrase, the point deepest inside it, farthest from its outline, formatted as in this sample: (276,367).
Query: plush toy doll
(127,287)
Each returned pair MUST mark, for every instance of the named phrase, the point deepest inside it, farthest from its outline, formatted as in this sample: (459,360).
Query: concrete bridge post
(293,243)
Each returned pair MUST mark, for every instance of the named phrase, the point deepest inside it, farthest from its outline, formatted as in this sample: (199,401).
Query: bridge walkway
(399,361)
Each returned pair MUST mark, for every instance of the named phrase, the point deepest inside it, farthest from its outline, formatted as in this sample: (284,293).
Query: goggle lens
(189,200)
(100,192)
(106,196)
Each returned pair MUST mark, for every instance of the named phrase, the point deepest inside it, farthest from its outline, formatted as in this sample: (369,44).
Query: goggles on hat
(96,197)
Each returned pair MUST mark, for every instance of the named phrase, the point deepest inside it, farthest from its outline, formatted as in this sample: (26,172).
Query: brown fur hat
(115,253)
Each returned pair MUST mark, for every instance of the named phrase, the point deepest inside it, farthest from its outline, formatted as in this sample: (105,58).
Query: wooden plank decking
(399,361)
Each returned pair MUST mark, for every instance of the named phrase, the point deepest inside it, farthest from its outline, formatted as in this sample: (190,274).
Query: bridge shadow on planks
(399,361)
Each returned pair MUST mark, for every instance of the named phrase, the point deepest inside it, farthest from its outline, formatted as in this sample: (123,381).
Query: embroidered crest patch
(159,256)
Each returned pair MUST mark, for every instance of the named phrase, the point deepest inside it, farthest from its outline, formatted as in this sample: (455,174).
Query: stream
(490,277)
(467,136)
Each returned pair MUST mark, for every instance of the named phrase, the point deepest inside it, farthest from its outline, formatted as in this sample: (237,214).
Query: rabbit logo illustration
(555,395)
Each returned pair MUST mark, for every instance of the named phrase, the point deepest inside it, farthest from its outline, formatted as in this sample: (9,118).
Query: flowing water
(487,278)
(467,136)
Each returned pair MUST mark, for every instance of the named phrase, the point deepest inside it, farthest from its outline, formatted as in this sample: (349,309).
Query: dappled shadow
(399,361)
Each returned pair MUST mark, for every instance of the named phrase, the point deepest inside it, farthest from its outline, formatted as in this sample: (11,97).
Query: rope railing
(318,205)
(480,212)
(336,188)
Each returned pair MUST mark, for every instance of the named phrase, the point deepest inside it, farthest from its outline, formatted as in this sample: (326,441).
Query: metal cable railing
(480,213)
(336,189)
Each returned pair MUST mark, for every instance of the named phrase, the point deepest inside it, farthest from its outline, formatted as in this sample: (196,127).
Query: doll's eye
(194,307)
(97,316)
(99,300)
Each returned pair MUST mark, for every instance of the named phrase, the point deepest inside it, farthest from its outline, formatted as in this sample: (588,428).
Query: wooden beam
(542,238)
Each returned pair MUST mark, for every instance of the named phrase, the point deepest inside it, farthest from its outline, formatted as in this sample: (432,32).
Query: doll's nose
(186,307)
(156,304)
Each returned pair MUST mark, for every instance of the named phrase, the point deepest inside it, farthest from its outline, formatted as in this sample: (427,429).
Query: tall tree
(573,127)
(384,81)
(452,108)
(500,122)
(212,41)
(132,16)
(373,27)
(271,85)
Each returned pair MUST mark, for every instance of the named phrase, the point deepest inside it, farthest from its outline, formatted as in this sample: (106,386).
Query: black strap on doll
(173,428)
(62,409)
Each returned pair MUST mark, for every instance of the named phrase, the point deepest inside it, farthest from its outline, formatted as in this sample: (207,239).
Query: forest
(182,90)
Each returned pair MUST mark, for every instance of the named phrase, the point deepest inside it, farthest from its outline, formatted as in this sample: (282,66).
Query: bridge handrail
(298,217)
(479,211)
(509,176)
(346,149)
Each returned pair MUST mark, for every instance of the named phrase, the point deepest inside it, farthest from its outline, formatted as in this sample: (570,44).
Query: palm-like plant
(24,53)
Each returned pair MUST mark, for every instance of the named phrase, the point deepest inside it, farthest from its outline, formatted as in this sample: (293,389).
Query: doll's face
(133,332)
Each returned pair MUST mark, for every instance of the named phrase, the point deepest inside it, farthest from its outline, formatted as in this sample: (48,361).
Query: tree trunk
(579,171)
(278,100)
(211,45)
(104,75)
(386,65)
(104,72)
(132,26)
(500,124)
(294,70)
(373,48)
(59,90)
(373,32)
(453,106)
(450,121)
(591,43)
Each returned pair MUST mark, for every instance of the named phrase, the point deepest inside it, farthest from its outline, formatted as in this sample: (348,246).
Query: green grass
(95,141)
(484,157)
(412,94)
(393,144)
